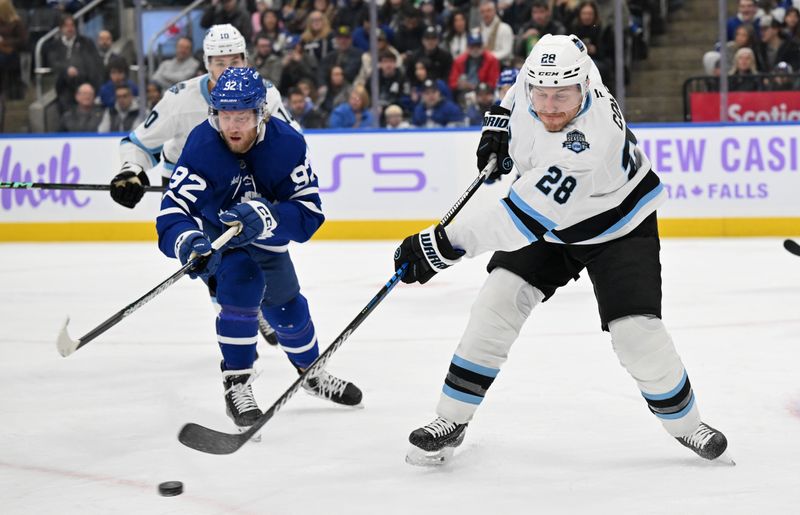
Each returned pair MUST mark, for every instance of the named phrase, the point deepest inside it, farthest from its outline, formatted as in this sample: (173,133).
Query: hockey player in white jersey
(586,199)
(184,106)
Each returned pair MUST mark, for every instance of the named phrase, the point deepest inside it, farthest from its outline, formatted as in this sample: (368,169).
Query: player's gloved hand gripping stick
(67,345)
(210,441)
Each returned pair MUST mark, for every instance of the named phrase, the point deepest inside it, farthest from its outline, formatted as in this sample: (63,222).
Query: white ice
(562,430)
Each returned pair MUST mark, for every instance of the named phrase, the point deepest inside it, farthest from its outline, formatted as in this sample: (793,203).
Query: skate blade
(420,458)
(726,459)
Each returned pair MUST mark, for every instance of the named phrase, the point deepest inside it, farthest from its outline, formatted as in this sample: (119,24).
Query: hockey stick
(67,345)
(792,246)
(67,186)
(210,441)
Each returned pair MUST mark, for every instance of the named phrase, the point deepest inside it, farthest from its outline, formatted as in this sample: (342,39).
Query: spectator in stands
(435,111)
(104,43)
(783,78)
(746,14)
(181,67)
(335,91)
(457,31)
(366,58)
(351,13)
(421,75)
(327,8)
(304,112)
(345,55)
(516,13)
(744,37)
(507,79)
(774,48)
(153,95)
(541,23)
(296,65)
(429,15)
(473,66)
(498,38)
(393,85)
(565,11)
(792,21)
(84,115)
(391,13)
(317,38)
(440,59)
(74,60)
(393,118)
(408,38)
(295,13)
(353,114)
(271,29)
(268,64)
(227,11)
(255,17)
(13,40)
(484,98)
(742,76)
(124,114)
(118,76)
(587,26)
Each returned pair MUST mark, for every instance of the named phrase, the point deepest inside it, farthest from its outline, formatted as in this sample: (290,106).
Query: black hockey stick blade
(210,441)
(792,246)
(17,185)
(66,345)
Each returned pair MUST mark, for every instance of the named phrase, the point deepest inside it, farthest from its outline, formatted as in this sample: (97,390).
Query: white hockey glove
(257,218)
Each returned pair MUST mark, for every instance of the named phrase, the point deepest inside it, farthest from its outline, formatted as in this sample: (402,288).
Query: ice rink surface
(563,429)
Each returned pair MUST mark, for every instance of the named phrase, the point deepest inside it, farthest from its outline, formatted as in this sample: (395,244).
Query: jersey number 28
(553,177)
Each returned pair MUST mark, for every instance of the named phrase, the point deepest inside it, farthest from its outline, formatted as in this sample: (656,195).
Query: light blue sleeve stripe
(680,414)
(518,223)
(461,396)
(169,166)
(474,367)
(204,89)
(149,151)
(528,210)
(639,205)
(671,393)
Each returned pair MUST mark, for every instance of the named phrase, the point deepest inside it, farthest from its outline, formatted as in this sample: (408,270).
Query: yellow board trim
(378,229)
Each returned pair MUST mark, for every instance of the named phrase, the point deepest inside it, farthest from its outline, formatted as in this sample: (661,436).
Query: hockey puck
(170,488)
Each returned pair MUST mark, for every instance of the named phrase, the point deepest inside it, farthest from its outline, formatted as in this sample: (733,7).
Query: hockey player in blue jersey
(244,168)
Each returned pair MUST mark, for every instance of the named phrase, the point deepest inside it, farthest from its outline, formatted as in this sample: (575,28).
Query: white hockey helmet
(223,39)
(558,61)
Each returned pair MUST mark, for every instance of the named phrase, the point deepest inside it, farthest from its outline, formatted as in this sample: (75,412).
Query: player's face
(238,129)
(219,63)
(556,107)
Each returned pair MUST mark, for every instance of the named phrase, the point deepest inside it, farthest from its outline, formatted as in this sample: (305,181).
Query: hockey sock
(237,330)
(502,306)
(296,334)
(645,349)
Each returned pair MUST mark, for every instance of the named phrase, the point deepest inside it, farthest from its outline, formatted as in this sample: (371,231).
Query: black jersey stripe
(600,223)
(532,224)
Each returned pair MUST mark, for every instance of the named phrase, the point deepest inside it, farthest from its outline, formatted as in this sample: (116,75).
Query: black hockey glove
(127,187)
(426,253)
(195,243)
(494,140)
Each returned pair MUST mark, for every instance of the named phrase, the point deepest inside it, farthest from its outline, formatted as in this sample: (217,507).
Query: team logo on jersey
(576,142)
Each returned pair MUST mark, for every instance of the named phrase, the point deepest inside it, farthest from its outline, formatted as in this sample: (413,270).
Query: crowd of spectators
(439,61)
(763,48)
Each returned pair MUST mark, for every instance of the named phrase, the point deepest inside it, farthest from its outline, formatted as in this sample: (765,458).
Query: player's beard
(555,122)
(241,141)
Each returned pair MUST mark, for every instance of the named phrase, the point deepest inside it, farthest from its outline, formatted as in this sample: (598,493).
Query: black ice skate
(336,390)
(708,443)
(266,330)
(240,403)
(435,443)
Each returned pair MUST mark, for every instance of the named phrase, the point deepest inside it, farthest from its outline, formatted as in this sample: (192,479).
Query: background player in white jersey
(184,106)
(586,199)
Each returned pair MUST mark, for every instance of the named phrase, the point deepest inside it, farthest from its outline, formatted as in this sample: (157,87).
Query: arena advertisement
(378,184)
(755,106)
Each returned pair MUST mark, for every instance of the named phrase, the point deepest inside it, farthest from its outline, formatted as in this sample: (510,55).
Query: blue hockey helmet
(238,89)
(507,77)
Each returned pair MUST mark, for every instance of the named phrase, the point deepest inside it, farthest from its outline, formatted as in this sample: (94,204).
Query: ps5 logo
(384,164)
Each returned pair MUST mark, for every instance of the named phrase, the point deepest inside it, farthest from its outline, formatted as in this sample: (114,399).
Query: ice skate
(325,386)
(434,443)
(708,443)
(266,330)
(240,404)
